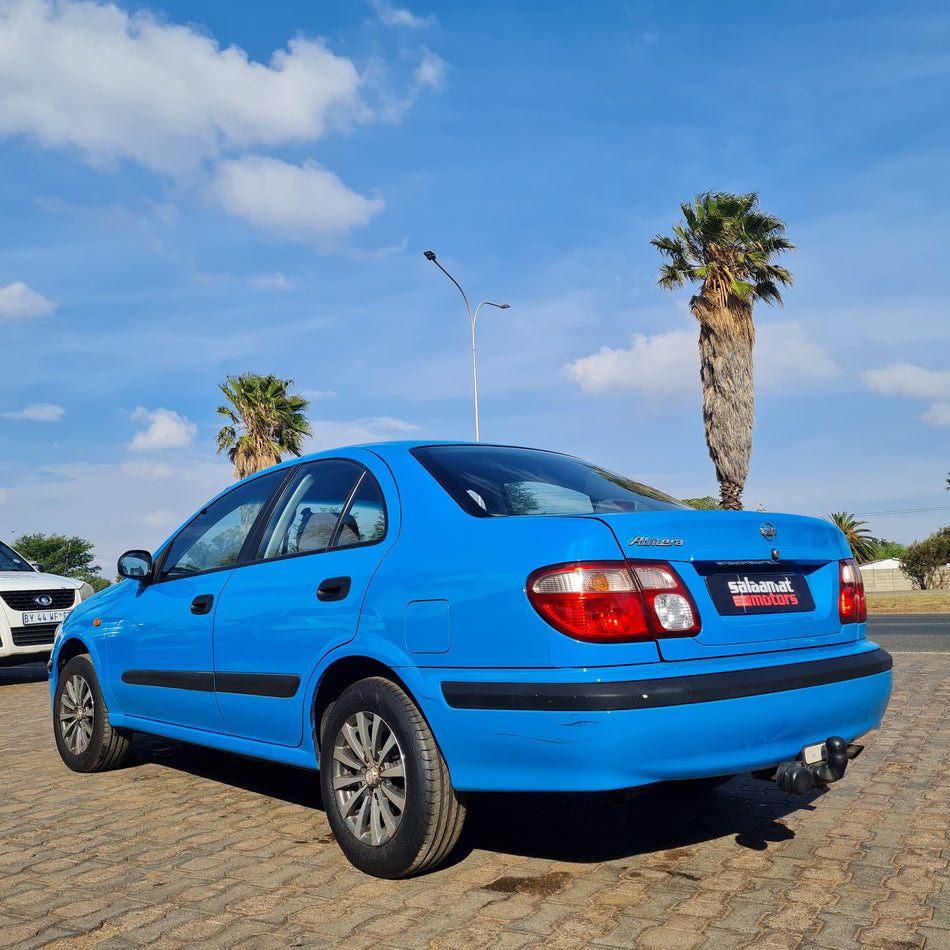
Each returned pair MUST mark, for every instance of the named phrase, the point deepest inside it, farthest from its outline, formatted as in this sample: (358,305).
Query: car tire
(85,739)
(386,788)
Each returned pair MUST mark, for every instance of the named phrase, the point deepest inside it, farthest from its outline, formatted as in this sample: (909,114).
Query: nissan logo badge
(767,531)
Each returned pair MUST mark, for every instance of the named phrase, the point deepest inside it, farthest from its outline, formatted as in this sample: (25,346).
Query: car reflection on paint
(420,621)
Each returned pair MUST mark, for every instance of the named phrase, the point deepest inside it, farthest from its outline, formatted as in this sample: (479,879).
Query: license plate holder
(777,593)
(44,616)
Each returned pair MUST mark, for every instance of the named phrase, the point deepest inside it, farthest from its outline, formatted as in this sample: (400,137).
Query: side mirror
(38,567)
(136,565)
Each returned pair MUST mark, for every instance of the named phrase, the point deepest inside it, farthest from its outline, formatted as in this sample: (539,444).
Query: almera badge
(642,542)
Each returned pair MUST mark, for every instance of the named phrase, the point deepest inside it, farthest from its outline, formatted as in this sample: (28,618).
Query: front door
(162,662)
(301,598)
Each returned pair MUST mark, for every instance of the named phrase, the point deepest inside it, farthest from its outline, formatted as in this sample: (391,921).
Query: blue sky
(191,190)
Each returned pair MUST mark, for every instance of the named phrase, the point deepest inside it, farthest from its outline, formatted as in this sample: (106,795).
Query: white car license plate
(45,616)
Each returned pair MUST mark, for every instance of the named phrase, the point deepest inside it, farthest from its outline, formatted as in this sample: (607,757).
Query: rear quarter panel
(452,592)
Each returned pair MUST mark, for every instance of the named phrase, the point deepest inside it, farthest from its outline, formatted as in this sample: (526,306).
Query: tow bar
(815,766)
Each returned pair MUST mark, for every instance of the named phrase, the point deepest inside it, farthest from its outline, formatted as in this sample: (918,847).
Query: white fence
(884,577)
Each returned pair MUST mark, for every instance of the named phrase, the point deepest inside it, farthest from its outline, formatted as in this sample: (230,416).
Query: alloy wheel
(77,711)
(369,778)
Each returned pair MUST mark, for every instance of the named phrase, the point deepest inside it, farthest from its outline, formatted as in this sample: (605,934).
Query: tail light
(614,601)
(851,604)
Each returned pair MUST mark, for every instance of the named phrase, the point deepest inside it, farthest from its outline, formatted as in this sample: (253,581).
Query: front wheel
(84,737)
(386,787)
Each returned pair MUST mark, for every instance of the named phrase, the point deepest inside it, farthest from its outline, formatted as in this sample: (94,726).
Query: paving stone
(669,938)
(26,938)
(890,935)
(164,855)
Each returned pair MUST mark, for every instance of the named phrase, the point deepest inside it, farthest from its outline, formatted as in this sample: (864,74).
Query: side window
(332,503)
(367,511)
(214,537)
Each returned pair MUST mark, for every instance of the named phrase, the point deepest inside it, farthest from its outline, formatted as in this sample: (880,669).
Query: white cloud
(388,422)
(312,394)
(118,85)
(166,430)
(297,202)
(163,518)
(377,254)
(3,496)
(658,364)
(392,106)
(275,281)
(331,435)
(905,379)
(390,15)
(783,353)
(938,414)
(166,213)
(37,412)
(137,471)
(18,302)
(52,498)
(668,364)
(431,71)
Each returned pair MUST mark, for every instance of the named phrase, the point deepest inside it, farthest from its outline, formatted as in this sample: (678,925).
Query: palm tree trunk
(726,337)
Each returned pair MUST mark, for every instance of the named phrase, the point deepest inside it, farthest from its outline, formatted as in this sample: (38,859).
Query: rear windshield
(496,481)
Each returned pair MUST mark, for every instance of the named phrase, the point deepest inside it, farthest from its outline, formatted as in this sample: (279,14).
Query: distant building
(885,576)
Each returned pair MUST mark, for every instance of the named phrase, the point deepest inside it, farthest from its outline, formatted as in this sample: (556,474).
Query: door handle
(202,604)
(333,588)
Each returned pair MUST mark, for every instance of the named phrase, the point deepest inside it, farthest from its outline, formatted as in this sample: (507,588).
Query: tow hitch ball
(816,765)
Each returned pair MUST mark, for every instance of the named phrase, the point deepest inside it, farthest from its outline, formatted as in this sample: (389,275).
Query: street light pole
(472,317)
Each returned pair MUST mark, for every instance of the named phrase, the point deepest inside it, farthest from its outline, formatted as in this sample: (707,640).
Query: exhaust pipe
(816,766)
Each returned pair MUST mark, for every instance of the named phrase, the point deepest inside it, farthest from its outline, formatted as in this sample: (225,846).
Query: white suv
(32,605)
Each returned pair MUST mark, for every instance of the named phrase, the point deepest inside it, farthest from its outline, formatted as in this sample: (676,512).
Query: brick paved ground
(187,848)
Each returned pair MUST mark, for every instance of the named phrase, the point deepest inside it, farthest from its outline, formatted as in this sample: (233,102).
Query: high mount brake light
(614,601)
(852,607)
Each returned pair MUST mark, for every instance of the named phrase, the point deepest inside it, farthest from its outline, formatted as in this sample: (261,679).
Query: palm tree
(727,245)
(864,548)
(272,421)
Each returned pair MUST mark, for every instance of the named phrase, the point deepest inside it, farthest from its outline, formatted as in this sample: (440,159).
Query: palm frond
(726,240)
(272,419)
(863,546)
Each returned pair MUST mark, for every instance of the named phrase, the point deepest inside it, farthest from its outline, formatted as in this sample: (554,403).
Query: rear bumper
(669,691)
(592,735)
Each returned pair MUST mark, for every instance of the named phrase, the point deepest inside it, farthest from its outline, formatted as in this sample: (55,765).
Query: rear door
(299,598)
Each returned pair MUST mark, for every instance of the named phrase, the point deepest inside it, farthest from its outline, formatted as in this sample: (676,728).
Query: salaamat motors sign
(759,593)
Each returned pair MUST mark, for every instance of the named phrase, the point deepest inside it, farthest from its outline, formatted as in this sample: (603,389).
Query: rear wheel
(84,737)
(386,787)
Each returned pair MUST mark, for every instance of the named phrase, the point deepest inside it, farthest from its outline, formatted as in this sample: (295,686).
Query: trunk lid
(761,581)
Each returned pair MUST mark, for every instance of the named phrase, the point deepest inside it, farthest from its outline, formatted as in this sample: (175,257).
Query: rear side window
(329,504)
(498,481)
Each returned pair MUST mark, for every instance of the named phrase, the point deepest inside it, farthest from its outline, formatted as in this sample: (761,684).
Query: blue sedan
(418,621)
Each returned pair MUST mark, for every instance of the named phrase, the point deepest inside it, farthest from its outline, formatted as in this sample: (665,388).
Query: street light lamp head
(504,306)
(429,255)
